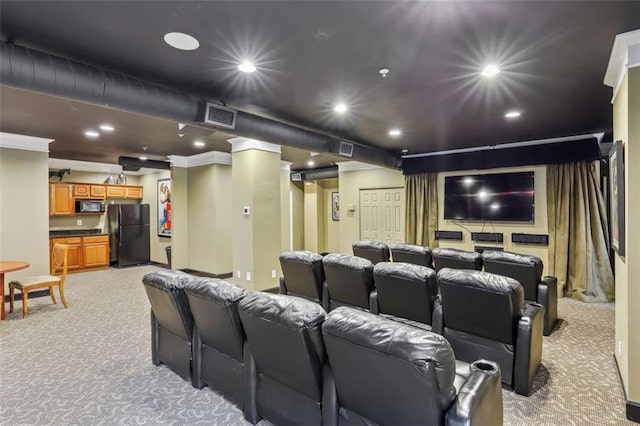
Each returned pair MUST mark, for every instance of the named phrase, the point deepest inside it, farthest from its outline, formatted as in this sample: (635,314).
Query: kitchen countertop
(74,232)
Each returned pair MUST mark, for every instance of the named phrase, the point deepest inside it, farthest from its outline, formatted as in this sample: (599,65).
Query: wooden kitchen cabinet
(98,191)
(61,199)
(74,258)
(116,192)
(81,191)
(134,192)
(95,251)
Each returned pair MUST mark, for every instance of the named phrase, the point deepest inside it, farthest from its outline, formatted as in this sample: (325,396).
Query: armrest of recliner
(548,297)
(325,296)
(373,302)
(528,348)
(283,285)
(155,340)
(249,388)
(437,320)
(329,398)
(479,401)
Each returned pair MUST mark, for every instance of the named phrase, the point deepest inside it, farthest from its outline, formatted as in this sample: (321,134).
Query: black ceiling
(553,57)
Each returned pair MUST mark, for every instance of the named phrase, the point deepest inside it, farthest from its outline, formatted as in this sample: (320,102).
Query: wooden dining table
(8,266)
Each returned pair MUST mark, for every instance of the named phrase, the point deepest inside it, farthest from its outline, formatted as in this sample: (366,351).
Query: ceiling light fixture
(107,127)
(513,114)
(340,108)
(181,41)
(143,158)
(91,134)
(198,144)
(490,71)
(247,67)
(404,151)
(310,163)
(383,72)
(395,132)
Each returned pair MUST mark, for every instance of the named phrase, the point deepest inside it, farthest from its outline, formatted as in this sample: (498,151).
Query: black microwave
(89,206)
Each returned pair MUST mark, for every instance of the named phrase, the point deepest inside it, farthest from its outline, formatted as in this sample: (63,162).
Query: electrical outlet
(273,273)
(239,274)
(79,222)
(248,276)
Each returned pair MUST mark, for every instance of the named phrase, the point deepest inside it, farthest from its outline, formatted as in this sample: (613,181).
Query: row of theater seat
(483,315)
(526,269)
(284,359)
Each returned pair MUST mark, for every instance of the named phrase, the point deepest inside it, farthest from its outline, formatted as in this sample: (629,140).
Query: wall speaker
(449,235)
(492,237)
(535,239)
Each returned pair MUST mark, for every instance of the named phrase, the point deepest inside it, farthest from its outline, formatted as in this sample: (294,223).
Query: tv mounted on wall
(499,196)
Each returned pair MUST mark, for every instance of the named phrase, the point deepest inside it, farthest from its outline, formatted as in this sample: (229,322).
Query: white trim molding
(213,157)
(285,166)
(625,54)
(350,166)
(243,144)
(24,142)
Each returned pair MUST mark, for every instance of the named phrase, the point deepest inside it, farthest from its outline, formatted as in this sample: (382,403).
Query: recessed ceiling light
(490,71)
(142,158)
(340,108)
(310,163)
(247,66)
(198,144)
(404,151)
(395,132)
(107,127)
(383,72)
(91,134)
(181,41)
(513,114)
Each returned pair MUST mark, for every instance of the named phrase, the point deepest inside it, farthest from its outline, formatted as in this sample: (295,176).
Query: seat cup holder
(484,366)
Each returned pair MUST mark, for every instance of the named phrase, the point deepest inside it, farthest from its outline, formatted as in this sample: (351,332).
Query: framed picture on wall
(164,207)
(616,188)
(335,205)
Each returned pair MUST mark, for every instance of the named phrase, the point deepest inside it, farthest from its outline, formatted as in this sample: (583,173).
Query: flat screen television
(498,196)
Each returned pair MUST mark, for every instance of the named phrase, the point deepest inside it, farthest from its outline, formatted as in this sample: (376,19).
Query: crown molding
(24,142)
(90,166)
(213,157)
(351,166)
(625,54)
(285,166)
(243,144)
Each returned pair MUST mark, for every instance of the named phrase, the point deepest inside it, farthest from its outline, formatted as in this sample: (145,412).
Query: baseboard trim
(633,411)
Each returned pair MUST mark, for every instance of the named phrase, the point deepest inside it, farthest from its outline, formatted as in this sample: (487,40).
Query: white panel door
(382,215)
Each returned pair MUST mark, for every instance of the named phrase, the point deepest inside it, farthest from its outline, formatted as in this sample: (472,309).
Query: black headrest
(405,271)
(375,251)
(515,259)
(349,279)
(411,253)
(481,303)
(217,290)
(454,258)
(289,311)
(410,248)
(168,279)
(471,256)
(347,261)
(303,273)
(302,256)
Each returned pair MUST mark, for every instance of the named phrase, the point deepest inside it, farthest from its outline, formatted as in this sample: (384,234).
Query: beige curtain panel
(578,233)
(421,212)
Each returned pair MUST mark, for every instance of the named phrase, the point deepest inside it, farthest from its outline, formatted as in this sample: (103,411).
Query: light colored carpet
(91,364)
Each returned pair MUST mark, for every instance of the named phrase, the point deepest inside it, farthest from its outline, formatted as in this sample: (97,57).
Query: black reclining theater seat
(285,360)
(302,275)
(348,281)
(411,253)
(484,315)
(456,259)
(375,251)
(527,270)
(218,337)
(171,320)
(405,292)
(387,373)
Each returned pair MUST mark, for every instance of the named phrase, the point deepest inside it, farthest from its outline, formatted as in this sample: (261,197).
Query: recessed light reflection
(310,163)
(340,108)
(395,132)
(495,206)
(247,67)
(198,144)
(490,71)
(468,181)
(483,195)
(91,134)
(513,114)
(143,158)
(106,128)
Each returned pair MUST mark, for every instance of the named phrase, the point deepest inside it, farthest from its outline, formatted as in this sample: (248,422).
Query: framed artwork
(335,205)
(616,188)
(164,207)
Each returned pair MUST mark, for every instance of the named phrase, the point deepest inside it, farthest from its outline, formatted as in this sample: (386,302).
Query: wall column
(256,218)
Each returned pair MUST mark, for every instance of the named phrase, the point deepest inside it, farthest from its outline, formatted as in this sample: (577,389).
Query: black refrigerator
(128,226)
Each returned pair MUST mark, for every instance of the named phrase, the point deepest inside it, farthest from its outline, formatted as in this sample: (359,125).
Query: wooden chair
(25,285)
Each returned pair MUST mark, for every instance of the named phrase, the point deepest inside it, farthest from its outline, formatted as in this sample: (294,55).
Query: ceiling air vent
(296,177)
(220,116)
(346,149)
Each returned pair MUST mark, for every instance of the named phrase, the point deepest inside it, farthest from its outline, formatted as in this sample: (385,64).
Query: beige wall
(285,210)
(24,210)
(331,227)
(626,127)
(210,233)
(149,183)
(297,195)
(313,235)
(351,182)
(539,226)
(179,218)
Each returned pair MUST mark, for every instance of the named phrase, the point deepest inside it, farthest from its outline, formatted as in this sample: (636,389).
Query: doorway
(382,215)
